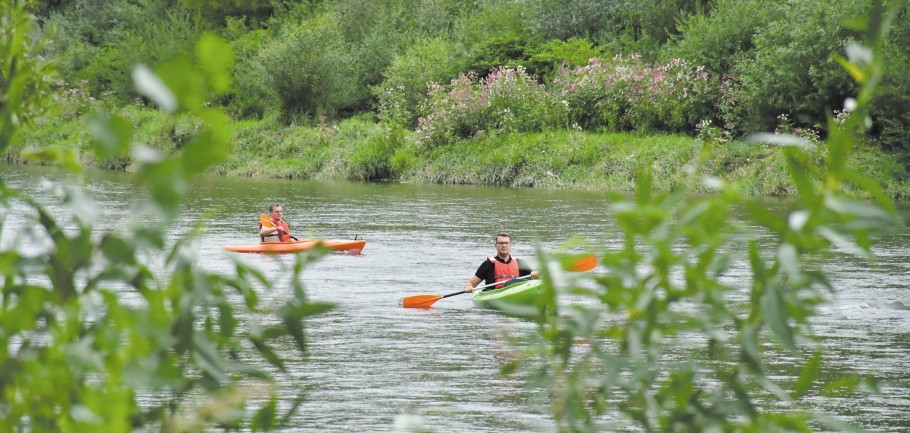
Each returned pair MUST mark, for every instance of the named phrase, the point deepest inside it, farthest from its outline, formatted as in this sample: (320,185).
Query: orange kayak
(352,246)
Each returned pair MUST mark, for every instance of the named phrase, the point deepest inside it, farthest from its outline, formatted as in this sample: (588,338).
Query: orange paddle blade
(266,221)
(420,301)
(584,263)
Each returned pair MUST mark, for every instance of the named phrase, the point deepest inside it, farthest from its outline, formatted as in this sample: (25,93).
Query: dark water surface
(371,362)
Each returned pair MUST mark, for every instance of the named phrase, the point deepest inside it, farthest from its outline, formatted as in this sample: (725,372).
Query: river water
(372,364)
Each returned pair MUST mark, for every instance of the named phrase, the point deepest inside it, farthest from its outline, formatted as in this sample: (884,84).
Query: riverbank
(361,149)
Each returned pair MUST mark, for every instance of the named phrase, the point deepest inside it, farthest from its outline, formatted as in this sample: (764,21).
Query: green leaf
(267,352)
(837,424)
(208,359)
(808,376)
(858,74)
(266,418)
(788,258)
(151,86)
(112,135)
(215,58)
(775,313)
(179,75)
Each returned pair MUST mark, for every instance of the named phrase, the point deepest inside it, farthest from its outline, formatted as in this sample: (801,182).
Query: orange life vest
(503,272)
(283,236)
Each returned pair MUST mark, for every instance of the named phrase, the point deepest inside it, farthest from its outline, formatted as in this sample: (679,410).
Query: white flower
(849,105)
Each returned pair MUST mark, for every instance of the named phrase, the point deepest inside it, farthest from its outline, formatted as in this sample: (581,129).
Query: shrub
(507,100)
(624,94)
(503,51)
(609,361)
(546,59)
(217,12)
(251,95)
(309,69)
(499,34)
(792,69)
(102,40)
(406,78)
(568,19)
(891,112)
(372,160)
(715,39)
(110,329)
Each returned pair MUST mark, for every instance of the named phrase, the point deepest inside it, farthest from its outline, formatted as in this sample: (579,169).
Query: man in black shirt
(501,267)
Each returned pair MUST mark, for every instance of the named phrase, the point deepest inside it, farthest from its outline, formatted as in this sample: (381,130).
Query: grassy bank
(361,149)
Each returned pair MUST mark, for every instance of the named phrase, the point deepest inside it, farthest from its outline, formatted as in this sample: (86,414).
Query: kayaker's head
(275,211)
(503,245)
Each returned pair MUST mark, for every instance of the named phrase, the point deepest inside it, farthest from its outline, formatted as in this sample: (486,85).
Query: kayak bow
(519,298)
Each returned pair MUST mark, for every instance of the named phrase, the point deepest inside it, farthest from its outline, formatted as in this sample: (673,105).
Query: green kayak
(520,298)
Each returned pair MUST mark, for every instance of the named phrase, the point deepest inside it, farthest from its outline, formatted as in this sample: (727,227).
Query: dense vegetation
(416,75)
(94,338)
(660,66)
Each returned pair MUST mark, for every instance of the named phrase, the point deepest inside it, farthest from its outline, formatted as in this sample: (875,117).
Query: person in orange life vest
(281,232)
(501,267)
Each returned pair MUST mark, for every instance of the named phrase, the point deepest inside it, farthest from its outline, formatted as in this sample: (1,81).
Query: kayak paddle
(267,222)
(426,301)
(581,264)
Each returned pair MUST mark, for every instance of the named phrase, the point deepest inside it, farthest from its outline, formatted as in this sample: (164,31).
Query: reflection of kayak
(352,246)
(520,298)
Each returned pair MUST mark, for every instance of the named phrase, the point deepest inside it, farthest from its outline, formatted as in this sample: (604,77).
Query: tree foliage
(300,61)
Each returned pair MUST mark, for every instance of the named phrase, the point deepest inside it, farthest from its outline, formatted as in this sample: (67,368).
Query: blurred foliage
(606,361)
(105,328)
(25,76)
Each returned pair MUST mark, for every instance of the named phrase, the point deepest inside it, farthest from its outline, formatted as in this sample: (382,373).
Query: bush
(624,94)
(792,69)
(407,77)
(503,51)
(891,112)
(589,19)
(499,34)
(546,59)
(251,96)
(372,160)
(715,39)
(507,100)
(217,12)
(108,329)
(101,41)
(309,69)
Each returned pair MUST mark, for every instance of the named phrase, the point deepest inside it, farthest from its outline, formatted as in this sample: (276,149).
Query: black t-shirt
(487,272)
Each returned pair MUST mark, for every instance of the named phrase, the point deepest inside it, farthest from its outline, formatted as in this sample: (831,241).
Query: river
(371,362)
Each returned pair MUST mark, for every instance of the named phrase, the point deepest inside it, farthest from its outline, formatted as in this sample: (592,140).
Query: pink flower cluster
(507,100)
(624,93)
(620,94)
